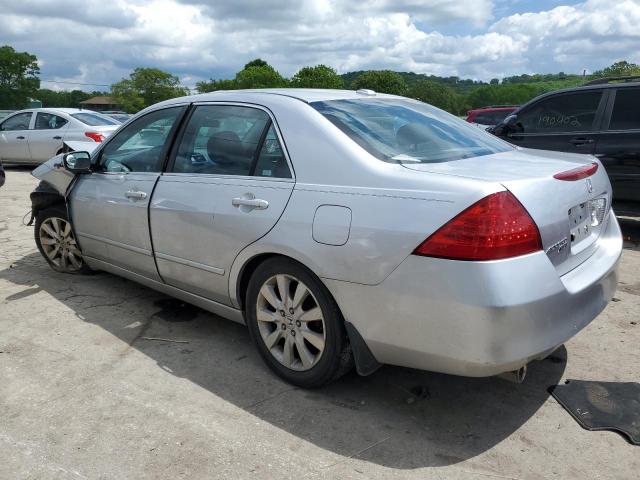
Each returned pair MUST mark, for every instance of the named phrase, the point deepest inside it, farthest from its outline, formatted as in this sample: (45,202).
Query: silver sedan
(343,228)
(36,135)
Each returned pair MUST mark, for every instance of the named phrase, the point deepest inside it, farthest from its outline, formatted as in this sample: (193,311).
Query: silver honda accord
(344,228)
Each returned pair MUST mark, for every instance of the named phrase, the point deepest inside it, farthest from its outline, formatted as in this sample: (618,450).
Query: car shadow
(398,418)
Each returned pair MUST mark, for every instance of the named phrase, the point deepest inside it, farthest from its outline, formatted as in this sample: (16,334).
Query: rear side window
(230,140)
(271,161)
(574,112)
(626,110)
(93,119)
(49,121)
(17,122)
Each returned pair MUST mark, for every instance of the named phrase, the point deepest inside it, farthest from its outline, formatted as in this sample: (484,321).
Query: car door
(14,134)
(618,147)
(565,122)
(45,139)
(109,208)
(227,184)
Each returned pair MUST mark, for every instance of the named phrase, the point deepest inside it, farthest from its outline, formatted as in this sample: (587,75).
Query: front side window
(49,121)
(403,130)
(93,119)
(17,122)
(574,112)
(626,110)
(140,146)
(221,140)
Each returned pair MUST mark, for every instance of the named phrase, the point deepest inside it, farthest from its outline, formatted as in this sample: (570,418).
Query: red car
(490,116)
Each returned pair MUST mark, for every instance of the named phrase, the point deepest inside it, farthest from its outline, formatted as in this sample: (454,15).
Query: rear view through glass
(398,130)
(94,120)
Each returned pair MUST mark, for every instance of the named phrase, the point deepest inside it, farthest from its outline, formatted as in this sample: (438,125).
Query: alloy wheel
(59,244)
(291,322)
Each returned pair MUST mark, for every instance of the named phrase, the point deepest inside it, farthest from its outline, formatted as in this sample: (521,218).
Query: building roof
(99,101)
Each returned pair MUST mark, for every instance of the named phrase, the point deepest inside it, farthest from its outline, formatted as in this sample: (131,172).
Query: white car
(35,135)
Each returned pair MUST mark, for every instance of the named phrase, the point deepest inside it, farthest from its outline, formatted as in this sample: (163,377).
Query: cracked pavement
(102,378)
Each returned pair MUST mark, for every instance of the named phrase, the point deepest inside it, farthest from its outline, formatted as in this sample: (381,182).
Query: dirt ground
(85,391)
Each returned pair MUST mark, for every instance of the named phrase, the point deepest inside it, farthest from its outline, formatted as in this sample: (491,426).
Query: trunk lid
(569,214)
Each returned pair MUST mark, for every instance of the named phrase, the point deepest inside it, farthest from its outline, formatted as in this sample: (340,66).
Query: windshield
(404,130)
(94,119)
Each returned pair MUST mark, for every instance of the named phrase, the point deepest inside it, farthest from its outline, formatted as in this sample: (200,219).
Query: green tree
(18,77)
(319,76)
(436,94)
(258,62)
(213,85)
(260,77)
(383,81)
(618,69)
(51,98)
(144,87)
(510,93)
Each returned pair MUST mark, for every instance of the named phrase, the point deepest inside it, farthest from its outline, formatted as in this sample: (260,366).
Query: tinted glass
(93,119)
(49,121)
(561,113)
(626,110)
(17,122)
(492,118)
(221,139)
(404,130)
(140,146)
(271,161)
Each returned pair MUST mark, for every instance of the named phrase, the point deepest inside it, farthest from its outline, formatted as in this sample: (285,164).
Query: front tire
(296,325)
(56,241)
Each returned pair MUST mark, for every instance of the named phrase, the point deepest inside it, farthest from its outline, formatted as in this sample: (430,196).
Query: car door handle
(57,137)
(136,195)
(254,203)
(20,137)
(579,141)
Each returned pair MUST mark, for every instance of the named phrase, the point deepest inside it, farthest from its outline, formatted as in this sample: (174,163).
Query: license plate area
(579,223)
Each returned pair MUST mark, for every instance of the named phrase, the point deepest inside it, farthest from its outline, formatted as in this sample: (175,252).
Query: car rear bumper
(479,318)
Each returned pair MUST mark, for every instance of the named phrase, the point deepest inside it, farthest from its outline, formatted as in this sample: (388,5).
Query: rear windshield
(93,119)
(404,130)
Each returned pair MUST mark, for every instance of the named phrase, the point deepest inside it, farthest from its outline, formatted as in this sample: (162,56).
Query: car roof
(304,94)
(57,110)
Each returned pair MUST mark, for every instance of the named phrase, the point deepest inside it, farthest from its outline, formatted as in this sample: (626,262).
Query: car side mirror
(77,162)
(507,125)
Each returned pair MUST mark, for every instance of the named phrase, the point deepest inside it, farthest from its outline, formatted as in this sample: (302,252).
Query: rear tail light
(95,136)
(577,173)
(496,227)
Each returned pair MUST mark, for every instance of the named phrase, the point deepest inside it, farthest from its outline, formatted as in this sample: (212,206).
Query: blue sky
(100,42)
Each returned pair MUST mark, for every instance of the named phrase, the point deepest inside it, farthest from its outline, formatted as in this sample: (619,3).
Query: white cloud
(100,42)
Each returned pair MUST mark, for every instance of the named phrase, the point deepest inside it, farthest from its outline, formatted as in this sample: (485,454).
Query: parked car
(491,116)
(2,175)
(600,118)
(35,135)
(342,227)
(120,117)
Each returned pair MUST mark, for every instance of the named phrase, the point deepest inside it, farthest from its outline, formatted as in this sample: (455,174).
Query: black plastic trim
(366,363)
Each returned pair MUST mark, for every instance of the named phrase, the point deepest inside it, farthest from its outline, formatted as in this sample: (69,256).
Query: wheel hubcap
(291,323)
(59,244)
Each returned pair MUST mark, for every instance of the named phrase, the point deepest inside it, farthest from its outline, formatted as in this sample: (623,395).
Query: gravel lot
(85,393)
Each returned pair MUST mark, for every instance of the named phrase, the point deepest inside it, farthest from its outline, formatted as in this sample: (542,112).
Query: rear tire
(56,241)
(300,334)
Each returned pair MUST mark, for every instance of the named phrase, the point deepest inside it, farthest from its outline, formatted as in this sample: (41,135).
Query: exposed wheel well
(246,273)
